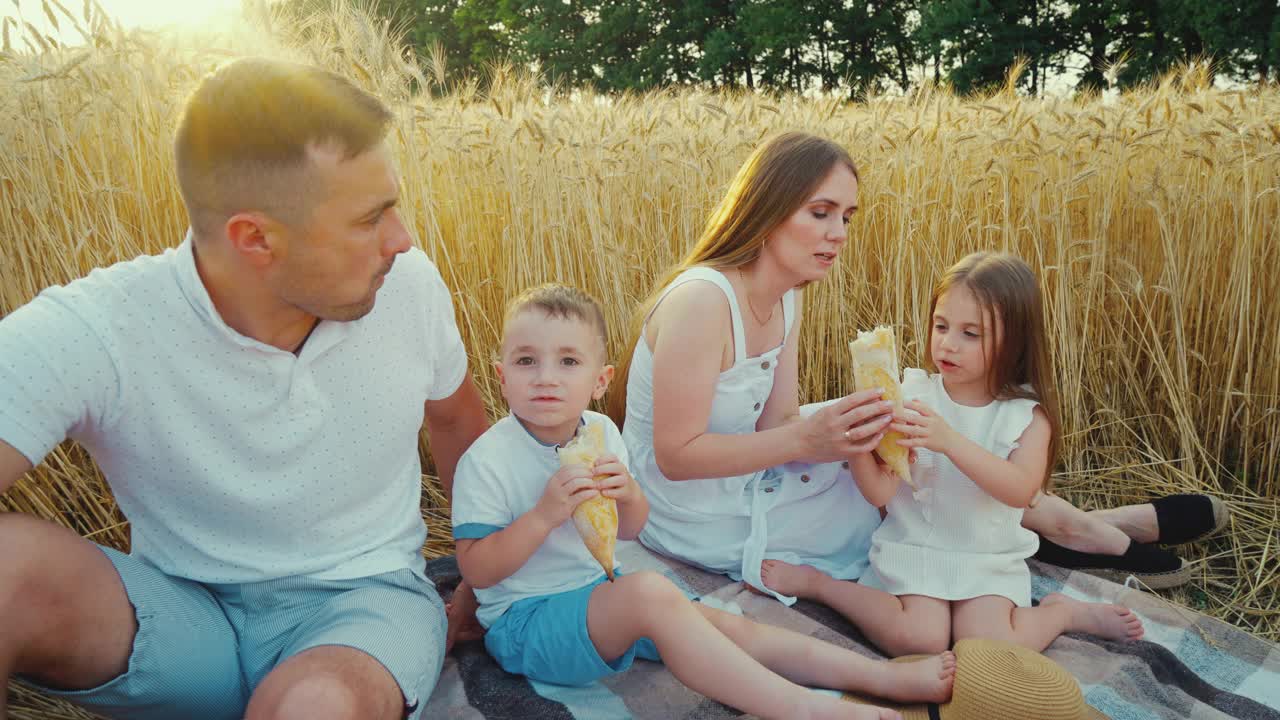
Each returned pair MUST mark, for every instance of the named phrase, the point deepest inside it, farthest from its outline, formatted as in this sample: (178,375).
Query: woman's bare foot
(825,707)
(927,680)
(1114,622)
(1137,521)
(787,579)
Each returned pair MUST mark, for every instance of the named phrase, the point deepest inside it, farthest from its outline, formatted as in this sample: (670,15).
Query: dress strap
(788,314)
(715,276)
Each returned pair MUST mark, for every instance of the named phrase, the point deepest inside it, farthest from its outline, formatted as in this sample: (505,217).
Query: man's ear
(602,382)
(255,238)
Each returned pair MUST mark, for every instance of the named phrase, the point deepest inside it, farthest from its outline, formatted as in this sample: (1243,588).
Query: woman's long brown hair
(776,180)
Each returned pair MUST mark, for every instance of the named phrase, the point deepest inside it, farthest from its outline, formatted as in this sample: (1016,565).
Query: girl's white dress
(801,513)
(950,539)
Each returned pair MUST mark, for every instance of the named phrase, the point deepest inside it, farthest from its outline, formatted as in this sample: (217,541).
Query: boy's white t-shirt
(502,476)
(233,460)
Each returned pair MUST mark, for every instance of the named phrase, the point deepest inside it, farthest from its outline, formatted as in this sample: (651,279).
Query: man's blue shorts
(545,639)
(201,649)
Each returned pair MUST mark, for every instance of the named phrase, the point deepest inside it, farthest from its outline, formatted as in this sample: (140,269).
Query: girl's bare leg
(700,655)
(905,625)
(995,617)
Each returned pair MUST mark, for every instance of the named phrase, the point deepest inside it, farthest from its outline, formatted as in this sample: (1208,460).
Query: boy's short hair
(562,301)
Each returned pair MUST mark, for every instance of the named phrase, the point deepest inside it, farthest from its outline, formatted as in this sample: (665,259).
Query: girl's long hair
(1008,293)
(781,174)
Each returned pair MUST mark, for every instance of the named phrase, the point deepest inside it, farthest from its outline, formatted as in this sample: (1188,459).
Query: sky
(152,14)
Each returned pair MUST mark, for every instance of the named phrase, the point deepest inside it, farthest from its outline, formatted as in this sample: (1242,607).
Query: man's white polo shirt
(233,460)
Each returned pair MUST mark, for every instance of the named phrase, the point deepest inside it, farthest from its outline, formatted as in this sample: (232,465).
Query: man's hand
(460,612)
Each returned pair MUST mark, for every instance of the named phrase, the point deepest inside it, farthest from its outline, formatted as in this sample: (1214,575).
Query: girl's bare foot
(927,680)
(825,707)
(1114,622)
(787,579)
(1137,521)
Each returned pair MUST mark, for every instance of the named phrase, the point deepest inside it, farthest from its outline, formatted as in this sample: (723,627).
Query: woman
(735,470)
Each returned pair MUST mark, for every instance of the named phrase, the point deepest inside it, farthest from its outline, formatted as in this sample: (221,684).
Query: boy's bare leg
(646,604)
(1069,526)
(816,663)
(65,619)
(904,625)
(995,617)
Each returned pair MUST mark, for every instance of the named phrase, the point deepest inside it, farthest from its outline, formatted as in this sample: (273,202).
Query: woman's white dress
(801,513)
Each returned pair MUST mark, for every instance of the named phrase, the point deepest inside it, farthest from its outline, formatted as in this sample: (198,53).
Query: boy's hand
(923,428)
(617,483)
(571,485)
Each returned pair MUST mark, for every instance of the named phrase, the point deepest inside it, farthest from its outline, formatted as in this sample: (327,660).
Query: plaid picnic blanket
(1187,666)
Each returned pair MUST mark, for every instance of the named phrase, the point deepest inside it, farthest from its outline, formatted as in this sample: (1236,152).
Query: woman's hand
(853,424)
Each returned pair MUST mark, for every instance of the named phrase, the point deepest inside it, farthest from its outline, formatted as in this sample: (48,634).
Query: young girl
(949,560)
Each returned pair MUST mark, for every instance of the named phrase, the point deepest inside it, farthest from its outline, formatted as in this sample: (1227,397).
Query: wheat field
(1151,218)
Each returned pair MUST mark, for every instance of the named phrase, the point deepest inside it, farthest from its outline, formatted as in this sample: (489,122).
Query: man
(254,398)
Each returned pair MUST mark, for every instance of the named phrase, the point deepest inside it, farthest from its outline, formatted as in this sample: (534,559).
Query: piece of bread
(875,365)
(597,518)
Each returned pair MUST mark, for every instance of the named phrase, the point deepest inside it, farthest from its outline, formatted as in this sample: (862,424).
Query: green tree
(979,40)
(1242,36)
(776,33)
(877,44)
(717,42)
(1156,34)
(549,32)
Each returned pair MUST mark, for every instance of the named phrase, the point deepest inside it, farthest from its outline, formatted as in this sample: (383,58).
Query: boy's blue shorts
(545,639)
(200,650)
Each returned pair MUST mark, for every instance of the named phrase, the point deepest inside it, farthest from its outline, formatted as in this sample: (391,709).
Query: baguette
(875,364)
(596,519)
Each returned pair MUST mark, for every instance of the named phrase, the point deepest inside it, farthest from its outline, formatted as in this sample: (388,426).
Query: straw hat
(1000,681)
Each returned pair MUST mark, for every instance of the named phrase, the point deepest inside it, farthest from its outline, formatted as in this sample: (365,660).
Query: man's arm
(453,424)
(13,465)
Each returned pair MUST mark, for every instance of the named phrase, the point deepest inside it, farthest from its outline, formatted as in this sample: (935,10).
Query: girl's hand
(852,425)
(617,483)
(923,428)
(571,485)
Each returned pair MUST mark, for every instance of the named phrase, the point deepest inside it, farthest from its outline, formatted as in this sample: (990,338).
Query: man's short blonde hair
(244,139)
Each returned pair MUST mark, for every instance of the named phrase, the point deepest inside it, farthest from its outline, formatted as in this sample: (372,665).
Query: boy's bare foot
(927,680)
(787,579)
(825,707)
(1114,622)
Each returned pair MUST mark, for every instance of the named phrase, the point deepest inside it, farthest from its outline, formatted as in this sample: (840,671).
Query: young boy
(549,612)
